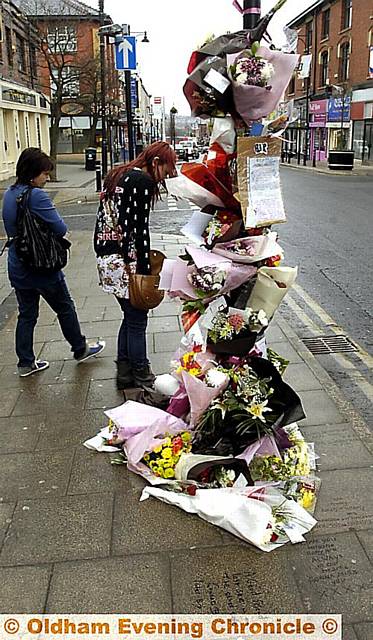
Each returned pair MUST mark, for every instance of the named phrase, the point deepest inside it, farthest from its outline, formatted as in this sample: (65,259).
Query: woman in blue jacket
(32,171)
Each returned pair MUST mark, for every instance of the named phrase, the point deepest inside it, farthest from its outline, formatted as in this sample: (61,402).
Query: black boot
(124,375)
(143,377)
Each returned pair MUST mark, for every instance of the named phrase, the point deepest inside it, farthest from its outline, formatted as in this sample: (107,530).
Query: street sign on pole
(125,53)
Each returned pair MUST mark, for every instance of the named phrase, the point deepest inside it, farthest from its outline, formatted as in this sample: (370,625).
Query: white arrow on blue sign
(125,53)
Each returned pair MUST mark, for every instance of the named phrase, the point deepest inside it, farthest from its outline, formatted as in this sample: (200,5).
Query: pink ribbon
(252,10)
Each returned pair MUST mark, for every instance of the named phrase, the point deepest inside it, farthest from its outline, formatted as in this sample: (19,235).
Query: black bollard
(98,176)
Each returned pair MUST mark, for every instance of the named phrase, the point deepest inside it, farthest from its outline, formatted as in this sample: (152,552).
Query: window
(309,34)
(9,46)
(324,59)
(21,53)
(325,24)
(344,61)
(33,63)
(1,37)
(292,85)
(62,39)
(346,14)
(67,80)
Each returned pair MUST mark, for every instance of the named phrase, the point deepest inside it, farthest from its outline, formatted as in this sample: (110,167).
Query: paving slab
(102,368)
(166,309)
(68,430)
(9,378)
(59,529)
(161,362)
(301,378)
(42,399)
(366,539)
(164,324)
(285,349)
(6,514)
(93,472)
(24,589)
(8,400)
(20,434)
(34,475)
(345,501)
(319,409)
(338,447)
(167,341)
(140,527)
(274,334)
(103,394)
(364,631)
(348,632)
(333,575)
(233,580)
(137,584)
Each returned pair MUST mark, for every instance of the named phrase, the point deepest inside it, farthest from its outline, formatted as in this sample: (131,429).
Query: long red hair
(160,150)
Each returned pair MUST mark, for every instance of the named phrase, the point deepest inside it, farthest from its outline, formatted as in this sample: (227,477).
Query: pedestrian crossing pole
(251,13)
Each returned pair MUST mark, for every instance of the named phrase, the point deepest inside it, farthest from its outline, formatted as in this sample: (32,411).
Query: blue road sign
(125,53)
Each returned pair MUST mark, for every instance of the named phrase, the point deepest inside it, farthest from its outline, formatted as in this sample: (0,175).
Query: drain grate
(329,344)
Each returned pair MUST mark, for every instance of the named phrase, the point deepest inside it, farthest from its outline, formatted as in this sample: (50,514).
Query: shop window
(346,14)
(9,46)
(62,39)
(21,53)
(344,61)
(309,34)
(33,63)
(325,24)
(324,63)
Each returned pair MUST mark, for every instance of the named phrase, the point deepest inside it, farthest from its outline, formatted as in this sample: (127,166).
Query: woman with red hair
(122,242)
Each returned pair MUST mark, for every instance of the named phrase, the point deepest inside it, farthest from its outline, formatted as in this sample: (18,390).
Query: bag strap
(6,245)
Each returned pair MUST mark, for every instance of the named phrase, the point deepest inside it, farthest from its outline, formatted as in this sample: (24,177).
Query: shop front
(362,117)
(318,129)
(339,123)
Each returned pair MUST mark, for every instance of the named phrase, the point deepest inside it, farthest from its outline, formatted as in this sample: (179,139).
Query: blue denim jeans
(59,299)
(132,335)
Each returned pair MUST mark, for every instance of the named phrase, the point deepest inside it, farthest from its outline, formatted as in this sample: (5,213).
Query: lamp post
(127,79)
(103,90)
(251,13)
(173,112)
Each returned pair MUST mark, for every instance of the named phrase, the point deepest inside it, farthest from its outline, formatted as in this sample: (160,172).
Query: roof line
(306,12)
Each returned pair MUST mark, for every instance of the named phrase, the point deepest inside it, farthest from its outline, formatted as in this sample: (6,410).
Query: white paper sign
(216,80)
(265,197)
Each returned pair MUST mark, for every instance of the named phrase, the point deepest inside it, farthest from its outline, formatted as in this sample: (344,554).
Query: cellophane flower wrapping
(249,250)
(200,395)
(271,286)
(204,177)
(255,102)
(183,187)
(246,513)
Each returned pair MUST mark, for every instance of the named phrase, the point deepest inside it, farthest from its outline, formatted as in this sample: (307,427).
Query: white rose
(241,78)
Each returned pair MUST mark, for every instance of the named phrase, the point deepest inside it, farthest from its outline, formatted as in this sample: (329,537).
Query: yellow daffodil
(186,437)
(146,457)
(158,449)
(167,442)
(167,453)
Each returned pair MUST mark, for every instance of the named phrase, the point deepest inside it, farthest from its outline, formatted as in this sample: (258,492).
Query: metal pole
(342,120)
(98,176)
(306,146)
(251,13)
(127,76)
(103,90)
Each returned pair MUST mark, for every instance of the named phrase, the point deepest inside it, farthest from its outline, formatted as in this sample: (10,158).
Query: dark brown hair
(31,163)
(160,150)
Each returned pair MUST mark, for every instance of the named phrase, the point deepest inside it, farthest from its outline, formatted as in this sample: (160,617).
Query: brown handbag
(143,290)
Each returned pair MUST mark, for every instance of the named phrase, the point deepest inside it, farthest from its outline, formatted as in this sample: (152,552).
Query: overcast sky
(175,28)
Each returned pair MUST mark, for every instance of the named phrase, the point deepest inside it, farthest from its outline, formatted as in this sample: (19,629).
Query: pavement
(74,537)
(359,169)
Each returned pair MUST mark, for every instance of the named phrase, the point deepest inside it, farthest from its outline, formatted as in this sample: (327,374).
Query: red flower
(192,490)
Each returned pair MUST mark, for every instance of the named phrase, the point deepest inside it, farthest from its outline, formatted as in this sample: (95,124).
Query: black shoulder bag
(39,248)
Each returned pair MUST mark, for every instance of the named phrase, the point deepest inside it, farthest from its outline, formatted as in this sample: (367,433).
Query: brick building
(335,97)
(69,61)
(23,109)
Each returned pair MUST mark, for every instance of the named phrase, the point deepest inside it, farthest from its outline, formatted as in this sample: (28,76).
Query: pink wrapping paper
(264,447)
(200,395)
(254,103)
(179,403)
(260,248)
(136,446)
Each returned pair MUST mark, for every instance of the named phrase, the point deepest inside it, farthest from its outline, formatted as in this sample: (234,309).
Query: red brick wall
(358,34)
(12,20)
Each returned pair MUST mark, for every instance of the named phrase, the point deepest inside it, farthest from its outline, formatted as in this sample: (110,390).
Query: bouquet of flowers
(251,69)
(235,332)
(163,459)
(252,249)
(208,281)
(304,490)
(256,403)
(212,471)
(278,361)
(224,226)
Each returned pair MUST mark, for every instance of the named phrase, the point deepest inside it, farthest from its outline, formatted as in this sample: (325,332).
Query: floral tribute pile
(228,447)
